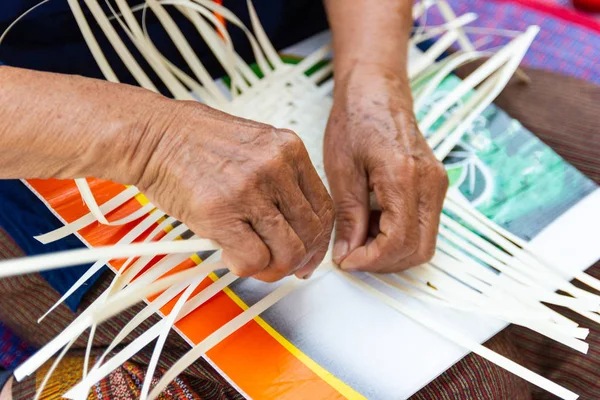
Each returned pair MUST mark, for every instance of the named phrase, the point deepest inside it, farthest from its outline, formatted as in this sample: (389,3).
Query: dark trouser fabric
(563,112)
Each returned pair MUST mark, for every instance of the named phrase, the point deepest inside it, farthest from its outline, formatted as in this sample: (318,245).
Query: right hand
(246,185)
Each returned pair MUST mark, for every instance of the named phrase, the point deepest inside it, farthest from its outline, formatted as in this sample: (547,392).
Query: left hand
(372,144)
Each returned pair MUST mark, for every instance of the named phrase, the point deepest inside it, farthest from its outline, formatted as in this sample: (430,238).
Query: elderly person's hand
(372,143)
(246,185)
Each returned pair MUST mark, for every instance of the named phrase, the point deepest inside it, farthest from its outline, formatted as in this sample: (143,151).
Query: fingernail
(307,276)
(340,248)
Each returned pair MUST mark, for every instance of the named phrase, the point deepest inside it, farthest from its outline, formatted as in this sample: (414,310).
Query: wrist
(122,151)
(373,80)
(363,70)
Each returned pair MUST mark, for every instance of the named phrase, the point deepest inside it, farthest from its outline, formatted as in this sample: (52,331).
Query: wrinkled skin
(372,144)
(246,185)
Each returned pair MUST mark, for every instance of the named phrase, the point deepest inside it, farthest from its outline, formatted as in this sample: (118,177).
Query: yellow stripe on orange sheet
(327,376)
(258,359)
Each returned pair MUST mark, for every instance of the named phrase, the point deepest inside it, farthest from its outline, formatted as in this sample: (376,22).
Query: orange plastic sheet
(256,358)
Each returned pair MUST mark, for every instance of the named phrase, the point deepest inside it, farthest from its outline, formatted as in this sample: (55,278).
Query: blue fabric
(13,350)
(49,39)
(4,377)
(22,216)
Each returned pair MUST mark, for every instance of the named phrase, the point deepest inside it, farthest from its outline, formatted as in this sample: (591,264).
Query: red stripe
(559,12)
(566,365)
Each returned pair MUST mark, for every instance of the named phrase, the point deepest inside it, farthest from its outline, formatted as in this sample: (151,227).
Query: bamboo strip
(465,342)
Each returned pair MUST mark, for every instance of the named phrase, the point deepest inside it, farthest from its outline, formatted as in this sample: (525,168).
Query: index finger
(318,197)
(395,188)
(314,190)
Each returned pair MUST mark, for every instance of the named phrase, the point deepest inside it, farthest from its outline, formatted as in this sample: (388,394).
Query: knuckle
(253,266)
(278,168)
(280,267)
(377,257)
(291,260)
(277,153)
(246,270)
(287,140)
(440,171)
(399,166)
(269,220)
(410,164)
(400,243)
(439,168)
(436,170)
(261,260)
(396,234)
(445,181)
(290,139)
(426,252)
(249,266)
(293,149)
(244,267)
(271,276)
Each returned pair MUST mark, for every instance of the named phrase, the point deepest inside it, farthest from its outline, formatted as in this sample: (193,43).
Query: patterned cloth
(568,42)
(123,384)
(24,298)
(569,4)
(13,351)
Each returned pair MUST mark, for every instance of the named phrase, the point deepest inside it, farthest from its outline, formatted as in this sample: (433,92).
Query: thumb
(350,193)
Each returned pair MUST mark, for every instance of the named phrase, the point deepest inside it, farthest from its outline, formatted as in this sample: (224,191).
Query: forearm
(60,126)
(6,390)
(365,31)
